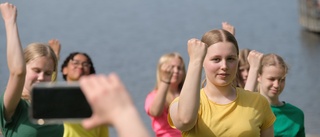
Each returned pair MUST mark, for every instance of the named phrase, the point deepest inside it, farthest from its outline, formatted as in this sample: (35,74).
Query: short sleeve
(269,117)
(149,99)
(169,117)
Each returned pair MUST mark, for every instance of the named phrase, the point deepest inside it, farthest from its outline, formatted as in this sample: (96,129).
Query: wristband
(167,82)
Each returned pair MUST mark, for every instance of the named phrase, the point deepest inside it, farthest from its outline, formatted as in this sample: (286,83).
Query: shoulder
(251,98)
(293,108)
(151,94)
(249,94)
(149,99)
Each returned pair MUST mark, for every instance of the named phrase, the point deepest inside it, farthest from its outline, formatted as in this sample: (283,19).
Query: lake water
(128,37)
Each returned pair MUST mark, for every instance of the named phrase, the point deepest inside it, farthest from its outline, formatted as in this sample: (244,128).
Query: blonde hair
(273,60)
(164,59)
(215,36)
(36,50)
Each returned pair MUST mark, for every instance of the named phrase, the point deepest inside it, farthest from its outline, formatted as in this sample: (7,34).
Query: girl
(35,64)
(170,77)
(75,66)
(219,109)
(272,78)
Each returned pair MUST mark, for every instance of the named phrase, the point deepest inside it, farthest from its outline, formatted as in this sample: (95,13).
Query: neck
(220,94)
(25,94)
(275,102)
(173,88)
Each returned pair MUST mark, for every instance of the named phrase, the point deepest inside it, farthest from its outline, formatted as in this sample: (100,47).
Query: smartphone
(55,103)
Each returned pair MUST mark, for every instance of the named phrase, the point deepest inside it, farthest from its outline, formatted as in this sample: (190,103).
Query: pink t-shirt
(160,124)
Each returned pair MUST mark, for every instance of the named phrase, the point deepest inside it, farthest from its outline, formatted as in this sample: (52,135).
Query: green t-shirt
(289,122)
(20,126)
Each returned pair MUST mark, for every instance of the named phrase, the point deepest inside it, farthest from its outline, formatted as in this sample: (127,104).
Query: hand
(166,72)
(197,50)
(228,27)
(254,58)
(108,99)
(9,12)
(55,46)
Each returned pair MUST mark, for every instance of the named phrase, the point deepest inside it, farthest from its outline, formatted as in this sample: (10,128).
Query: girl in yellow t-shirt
(219,109)
(79,64)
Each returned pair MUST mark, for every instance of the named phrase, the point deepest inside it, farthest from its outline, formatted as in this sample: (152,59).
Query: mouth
(274,91)
(80,71)
(223,75)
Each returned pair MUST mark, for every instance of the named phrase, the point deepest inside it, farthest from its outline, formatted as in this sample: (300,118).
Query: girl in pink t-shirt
(170,77)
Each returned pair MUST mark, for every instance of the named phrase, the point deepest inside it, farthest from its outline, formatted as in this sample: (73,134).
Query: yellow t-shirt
(244,117)
(76,130)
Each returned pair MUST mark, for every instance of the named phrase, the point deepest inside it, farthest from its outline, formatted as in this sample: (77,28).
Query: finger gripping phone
(53,103)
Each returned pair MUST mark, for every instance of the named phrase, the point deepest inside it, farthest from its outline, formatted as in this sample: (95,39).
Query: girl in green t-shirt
(35,64)
(272,78)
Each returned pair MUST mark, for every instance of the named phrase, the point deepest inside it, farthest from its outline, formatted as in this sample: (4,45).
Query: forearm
(15,58)
(17,68)
(252,80)
(157,105)
(269,132)
(130,124)
(189,100)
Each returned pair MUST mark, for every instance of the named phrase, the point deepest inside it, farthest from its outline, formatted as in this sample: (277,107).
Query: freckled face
(221,63)
(39,70)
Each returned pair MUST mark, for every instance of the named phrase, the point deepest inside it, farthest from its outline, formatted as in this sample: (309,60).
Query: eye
(216,59)
(49,73)
(271,79)
(283,79)
(76,63)
(231,59)
(36,70)
(86,64)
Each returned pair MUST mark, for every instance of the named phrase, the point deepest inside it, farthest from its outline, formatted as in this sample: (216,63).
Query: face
(77,67)
(177,70)
(243,71)
(39,70)
(221,63)
(272,81)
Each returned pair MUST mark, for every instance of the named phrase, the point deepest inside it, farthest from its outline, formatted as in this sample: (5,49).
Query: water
(128,37)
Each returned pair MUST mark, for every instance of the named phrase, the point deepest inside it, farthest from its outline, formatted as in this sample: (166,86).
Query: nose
(245,72)
(224,65)
(276,83)
(175,69)
(80,66)
(40,76)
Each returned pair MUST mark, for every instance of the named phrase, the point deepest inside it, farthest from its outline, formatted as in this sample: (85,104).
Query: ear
(65,71)
(259,78)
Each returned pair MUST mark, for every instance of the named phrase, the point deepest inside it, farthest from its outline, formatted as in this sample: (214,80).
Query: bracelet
(167,82)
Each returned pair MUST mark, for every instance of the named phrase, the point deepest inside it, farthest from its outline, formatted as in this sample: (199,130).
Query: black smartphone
(53,103)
